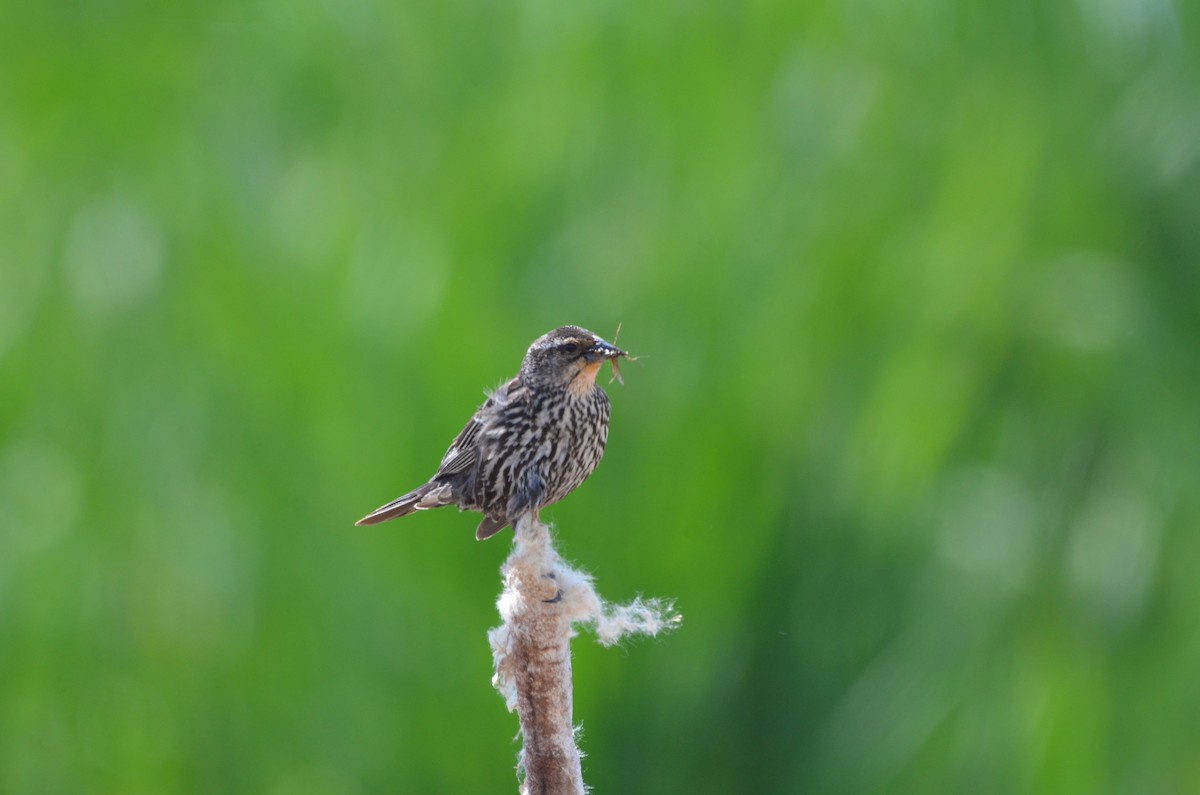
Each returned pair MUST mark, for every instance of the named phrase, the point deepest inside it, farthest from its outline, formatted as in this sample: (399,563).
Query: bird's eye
(569,348)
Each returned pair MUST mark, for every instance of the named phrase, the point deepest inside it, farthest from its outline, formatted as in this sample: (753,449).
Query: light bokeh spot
(113,255)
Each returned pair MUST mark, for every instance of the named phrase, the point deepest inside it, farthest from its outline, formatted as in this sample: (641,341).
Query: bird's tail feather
(489,527)
(431,495)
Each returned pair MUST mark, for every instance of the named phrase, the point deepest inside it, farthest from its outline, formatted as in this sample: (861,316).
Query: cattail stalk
(543,599)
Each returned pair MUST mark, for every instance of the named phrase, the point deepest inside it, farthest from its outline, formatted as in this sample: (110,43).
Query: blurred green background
(914,441)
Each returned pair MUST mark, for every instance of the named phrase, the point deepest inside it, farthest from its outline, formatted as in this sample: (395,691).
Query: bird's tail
(431,495)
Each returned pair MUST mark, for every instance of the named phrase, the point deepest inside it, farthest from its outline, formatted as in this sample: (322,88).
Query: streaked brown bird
(533,441)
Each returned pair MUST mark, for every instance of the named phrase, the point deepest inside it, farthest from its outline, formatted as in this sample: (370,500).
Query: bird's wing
(464,450)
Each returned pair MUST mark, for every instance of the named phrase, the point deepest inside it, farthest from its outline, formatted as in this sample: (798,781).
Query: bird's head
(569,357)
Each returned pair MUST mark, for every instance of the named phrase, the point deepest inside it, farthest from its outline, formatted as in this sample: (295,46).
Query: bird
(533,441)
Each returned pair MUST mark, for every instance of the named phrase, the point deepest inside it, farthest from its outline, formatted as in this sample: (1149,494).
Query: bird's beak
(603,351)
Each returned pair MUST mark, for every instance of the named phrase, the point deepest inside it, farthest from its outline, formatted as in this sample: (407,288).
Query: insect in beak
(616,376)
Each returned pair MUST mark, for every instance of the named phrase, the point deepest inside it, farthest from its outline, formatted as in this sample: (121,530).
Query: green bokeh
(913,441)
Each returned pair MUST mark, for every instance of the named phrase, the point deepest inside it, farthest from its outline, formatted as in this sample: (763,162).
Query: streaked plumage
(533,441)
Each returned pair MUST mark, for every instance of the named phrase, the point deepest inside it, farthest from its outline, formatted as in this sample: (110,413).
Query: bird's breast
(584,381)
